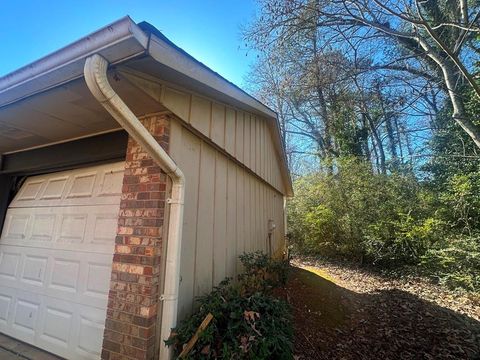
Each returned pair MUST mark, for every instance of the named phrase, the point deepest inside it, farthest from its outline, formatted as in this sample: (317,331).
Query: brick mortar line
(136,337)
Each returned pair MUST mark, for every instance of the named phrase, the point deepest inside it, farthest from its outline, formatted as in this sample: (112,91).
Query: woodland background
(379,105)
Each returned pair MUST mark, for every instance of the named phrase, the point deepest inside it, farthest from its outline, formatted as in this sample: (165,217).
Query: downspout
(95,72)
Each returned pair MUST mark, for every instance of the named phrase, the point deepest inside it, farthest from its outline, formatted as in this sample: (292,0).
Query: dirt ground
(347,313)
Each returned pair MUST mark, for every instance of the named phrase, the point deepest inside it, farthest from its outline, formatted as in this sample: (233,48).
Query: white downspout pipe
(96,77)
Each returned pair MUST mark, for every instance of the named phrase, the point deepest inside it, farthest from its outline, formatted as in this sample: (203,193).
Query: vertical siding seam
(228,222)
(246,202)
(225,127)
(214,216)
(255,144)
(244,181)
(257,215)
(236,167)
(262,158)
(235,230)
(235,155)
(227,270)
(190,96)
(257,140)
(196,220)
(245,161)
(210,124)
(244,141)
(263,147)
(252,143)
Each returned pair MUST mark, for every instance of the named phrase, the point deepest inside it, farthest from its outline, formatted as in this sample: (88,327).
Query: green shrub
(390,220)
(402,240)
(461,200)
(455,263)
(261,273)
(356,214)
(247,322)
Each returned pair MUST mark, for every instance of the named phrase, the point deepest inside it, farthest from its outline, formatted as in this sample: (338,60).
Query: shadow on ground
(332,322)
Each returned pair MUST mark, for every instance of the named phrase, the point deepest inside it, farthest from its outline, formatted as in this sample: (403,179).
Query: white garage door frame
(56,252)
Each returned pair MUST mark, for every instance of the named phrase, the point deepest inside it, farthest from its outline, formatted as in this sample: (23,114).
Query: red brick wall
(130,326)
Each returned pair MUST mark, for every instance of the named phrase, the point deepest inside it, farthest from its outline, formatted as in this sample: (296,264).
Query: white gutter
(116,42)
(96,77)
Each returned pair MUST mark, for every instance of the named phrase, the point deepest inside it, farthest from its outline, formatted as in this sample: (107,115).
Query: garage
(56,252)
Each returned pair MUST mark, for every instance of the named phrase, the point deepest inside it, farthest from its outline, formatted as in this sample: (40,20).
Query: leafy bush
(461,200)
(261,273)
(247,322)
(356,214)
(455,263)
(402,240)
(390,220)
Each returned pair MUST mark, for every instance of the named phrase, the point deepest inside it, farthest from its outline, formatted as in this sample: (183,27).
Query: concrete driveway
(11,349)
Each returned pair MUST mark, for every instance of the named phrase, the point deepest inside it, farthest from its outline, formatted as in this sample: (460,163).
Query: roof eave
(118,41)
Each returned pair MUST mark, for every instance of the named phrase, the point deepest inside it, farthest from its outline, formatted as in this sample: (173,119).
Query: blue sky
(207,29)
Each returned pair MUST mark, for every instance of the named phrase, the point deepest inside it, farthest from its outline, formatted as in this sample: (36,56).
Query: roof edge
(160,39)
(18,83)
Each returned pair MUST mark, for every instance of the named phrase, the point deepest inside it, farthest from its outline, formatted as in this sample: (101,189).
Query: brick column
(130,326)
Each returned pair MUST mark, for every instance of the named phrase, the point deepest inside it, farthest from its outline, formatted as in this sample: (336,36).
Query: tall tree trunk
(391,139)
(378,142)
(410,150)
(323,109)
(388,125)
(399,138)
(451,80)
(375,153)
(460,116)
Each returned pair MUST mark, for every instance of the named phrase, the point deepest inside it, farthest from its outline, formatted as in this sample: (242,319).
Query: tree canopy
(379,105)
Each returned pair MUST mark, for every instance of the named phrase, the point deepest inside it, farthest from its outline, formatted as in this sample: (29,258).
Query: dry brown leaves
(360,315)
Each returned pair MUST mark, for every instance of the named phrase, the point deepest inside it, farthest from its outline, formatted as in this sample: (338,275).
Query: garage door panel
(64,275)
(57,323)
(34,269)
(30,190)
(90,333)
(16,226)
(43,226)
(76,331)
(7,302)
(54,188)
(98,279)
(10,259)
(56,252)
(89,186)
(67,228)
(81,278)
(26,313)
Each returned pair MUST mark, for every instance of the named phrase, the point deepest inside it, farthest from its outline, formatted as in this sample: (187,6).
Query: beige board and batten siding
(249,138)
(227,209)
(245,136)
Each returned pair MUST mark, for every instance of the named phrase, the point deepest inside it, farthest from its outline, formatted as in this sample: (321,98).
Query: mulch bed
(345,313)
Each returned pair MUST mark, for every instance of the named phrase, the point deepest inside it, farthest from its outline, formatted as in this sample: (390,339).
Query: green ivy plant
(248,323)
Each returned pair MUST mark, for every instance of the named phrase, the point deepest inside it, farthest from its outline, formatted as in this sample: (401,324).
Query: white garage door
(55,259)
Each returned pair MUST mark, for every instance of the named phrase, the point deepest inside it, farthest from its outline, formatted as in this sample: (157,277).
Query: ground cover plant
(248,322)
